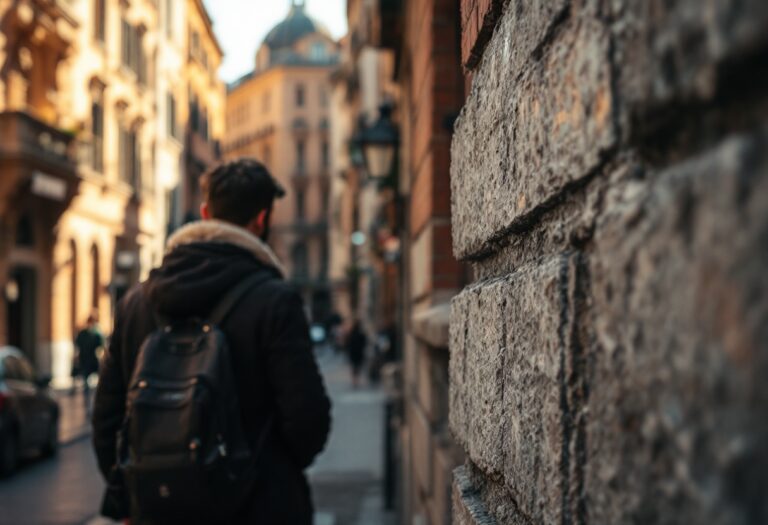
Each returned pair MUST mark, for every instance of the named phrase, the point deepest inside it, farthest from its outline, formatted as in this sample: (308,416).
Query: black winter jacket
(271,351)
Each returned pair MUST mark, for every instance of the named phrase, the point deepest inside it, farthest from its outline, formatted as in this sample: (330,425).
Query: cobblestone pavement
(346,478)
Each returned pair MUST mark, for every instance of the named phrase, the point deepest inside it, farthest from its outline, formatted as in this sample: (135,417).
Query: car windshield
(16,369)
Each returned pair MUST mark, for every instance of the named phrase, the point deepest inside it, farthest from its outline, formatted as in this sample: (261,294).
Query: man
(274,368)
(87,344)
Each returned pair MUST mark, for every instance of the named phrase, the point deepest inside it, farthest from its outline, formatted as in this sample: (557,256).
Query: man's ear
(261,219)
(258,224)
(205,213)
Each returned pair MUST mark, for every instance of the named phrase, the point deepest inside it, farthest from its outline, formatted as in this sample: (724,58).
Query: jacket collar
(224,232)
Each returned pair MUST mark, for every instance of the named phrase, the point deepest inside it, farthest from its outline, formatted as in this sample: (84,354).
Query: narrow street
(346,478)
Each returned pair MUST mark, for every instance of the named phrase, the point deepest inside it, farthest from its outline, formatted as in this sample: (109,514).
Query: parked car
(29,416)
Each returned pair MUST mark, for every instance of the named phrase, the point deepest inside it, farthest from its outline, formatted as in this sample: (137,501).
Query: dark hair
(238,190)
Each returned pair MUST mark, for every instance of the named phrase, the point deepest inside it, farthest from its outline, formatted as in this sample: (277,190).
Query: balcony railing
(25,138)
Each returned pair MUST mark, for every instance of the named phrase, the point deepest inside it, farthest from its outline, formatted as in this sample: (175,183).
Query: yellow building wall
(260,123)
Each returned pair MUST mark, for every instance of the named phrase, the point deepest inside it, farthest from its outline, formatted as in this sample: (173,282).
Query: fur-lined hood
(223,232)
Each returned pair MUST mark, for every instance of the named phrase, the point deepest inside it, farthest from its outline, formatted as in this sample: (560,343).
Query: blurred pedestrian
(210,386)
(356,344)
(88,342)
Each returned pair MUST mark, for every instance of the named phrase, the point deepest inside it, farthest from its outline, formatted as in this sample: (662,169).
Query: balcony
(24,138)
(34,152)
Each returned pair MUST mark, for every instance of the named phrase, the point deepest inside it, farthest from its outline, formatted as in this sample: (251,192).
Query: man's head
(93,319)
(240,192)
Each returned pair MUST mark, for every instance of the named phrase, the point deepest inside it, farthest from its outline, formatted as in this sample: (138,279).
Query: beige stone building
(38,175)
(204,109)
(95,109)
(280,114)
(110,235)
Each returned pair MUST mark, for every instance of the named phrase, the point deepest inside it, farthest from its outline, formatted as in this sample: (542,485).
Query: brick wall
(610,189)
(432,93)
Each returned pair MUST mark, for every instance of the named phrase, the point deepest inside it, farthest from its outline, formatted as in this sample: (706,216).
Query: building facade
(610,189)
(38,166)
(280,114)
(205,113)
(94,155)
(425,37)
(78,84)
(361,278)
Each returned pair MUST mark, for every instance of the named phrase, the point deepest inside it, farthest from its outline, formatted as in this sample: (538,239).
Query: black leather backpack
(182,450)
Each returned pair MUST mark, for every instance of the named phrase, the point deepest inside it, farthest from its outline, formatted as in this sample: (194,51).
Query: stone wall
(610,189)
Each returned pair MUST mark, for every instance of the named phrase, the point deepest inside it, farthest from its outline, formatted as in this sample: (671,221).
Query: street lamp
(379,143)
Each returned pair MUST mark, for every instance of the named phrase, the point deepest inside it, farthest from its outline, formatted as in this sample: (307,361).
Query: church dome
(296,26)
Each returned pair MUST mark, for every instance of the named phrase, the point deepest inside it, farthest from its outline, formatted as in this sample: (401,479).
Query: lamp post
(379,145)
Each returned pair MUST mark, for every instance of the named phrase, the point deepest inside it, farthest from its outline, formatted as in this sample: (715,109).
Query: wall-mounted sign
(48,187)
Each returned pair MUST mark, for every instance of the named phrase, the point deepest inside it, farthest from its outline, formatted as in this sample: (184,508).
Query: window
(299,254)
(325,154)
(97,132)
(204,124)
(135,160)
(194,45)
(265,102)
(130,158)
(125,43)
(95,277)
(99,19)
(300,96)
(171,125)
(300,204)
(132,50)
(194,112)
(323,97)
(317,52)
(300,157)
(25,232)
(168,20)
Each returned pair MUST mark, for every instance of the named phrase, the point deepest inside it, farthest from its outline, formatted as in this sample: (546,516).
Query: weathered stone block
(480,311)
(677,417)
(531,126)
(671,50)
(509,355)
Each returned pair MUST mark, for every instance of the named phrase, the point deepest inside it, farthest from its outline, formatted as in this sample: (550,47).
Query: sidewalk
(347,477)
(74,421)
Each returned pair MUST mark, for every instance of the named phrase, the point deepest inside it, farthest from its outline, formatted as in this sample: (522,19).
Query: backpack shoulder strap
(231,298)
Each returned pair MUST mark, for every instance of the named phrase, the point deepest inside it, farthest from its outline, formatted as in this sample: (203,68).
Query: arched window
(96,277)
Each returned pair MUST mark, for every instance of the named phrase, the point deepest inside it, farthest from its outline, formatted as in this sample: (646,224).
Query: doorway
(21,300)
